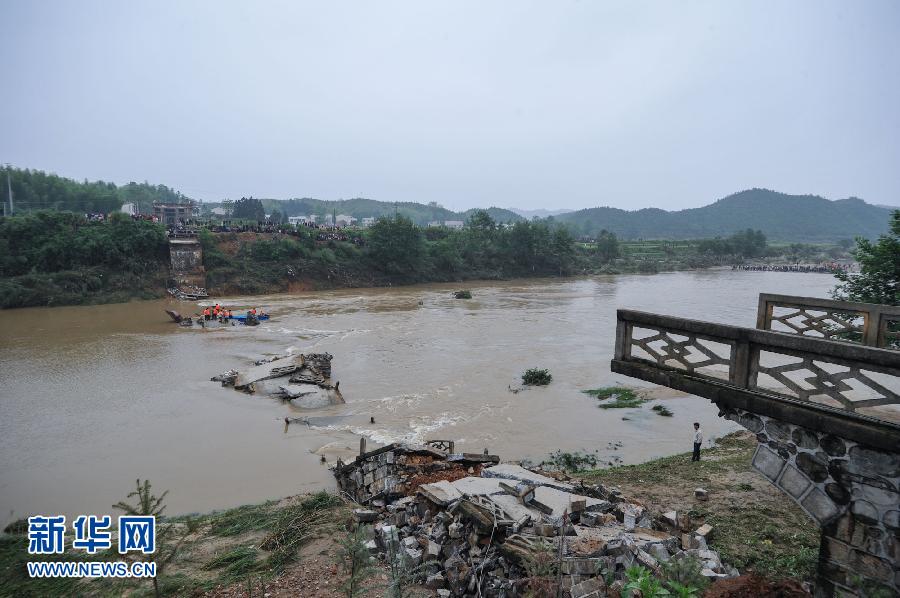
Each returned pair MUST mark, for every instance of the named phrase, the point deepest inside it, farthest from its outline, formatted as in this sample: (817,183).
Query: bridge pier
(848,488)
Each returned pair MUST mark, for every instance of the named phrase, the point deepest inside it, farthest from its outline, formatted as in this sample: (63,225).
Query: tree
(149,504)
(607,246)
(249,208)
(878,280)
(353,557)
(396,246)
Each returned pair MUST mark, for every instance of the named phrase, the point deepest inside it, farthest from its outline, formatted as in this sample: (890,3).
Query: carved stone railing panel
(865,323)
(808,378)
(443,445)
(811,370)
(691,353)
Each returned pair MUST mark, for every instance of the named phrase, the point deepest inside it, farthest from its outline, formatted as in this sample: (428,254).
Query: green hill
(782,217)
(360,208)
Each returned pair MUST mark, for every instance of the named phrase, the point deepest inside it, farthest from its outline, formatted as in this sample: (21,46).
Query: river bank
(233,552)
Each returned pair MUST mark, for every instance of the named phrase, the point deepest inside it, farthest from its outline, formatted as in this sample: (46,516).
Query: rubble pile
(482,526)
(303,379)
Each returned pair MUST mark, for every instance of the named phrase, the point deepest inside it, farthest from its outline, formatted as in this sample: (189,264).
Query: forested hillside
(781,217)
(359,208)
(37,190)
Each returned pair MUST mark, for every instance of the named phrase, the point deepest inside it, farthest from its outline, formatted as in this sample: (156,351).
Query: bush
(662,410)
(536,377)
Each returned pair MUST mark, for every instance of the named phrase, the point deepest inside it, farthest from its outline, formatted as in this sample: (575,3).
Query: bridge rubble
(472,525)
(302,379)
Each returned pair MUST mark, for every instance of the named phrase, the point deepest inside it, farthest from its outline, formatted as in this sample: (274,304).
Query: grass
(622,398)
(253,542)
(756,528)
(243,519)
(662,410)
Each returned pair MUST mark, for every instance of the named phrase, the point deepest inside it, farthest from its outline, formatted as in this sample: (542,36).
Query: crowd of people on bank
(823,268)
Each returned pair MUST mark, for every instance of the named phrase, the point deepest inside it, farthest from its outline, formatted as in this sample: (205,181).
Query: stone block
(591,588)
(837,550)
(865,511)
(866,461)
(768,462)
(819,506)
(869,565)
(365,515)
(704,531)
(413,556)
(436,581)
(813,466)
(659,552)
(793,481)
(701,494)
(804,438)
(434,551)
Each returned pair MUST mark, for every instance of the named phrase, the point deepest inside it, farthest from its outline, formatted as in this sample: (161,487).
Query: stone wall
(850,489)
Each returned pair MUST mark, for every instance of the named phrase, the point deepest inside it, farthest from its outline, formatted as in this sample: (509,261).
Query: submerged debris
(475,526)
(308,379)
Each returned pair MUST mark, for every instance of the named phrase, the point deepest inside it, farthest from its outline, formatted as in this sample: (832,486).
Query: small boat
(243,318)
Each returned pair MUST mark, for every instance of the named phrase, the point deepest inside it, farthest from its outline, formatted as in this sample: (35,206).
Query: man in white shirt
(698,440)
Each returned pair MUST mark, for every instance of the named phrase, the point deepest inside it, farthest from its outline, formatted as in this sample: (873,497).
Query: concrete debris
(473,526)
(307,385)
(701,494)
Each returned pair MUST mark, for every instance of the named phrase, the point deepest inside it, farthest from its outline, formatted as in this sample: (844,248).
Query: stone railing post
(739,371)
(623,338)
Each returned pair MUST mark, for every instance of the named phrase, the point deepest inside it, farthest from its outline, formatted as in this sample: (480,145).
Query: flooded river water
(94,397)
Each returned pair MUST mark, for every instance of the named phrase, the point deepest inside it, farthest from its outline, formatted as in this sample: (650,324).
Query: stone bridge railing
(865,323)
(824,414)
(838,376)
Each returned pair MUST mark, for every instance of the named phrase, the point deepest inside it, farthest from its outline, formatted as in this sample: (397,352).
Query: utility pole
(9,190)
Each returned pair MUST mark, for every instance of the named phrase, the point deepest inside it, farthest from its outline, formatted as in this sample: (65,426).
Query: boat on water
(243,318)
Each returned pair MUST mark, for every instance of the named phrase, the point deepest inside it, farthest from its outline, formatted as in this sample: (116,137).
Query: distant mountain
(360,208)
(529,214)
(782,217)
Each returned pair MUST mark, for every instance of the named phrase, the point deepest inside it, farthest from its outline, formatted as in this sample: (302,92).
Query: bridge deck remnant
(822,411)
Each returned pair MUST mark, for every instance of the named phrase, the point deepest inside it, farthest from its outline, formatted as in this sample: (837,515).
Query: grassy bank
(253,548)
(756,527)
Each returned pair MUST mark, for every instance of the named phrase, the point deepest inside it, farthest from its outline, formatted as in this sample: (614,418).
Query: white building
(367,222)
(129,208)
(345,220)
(219,211)
(298,219)
(454,223)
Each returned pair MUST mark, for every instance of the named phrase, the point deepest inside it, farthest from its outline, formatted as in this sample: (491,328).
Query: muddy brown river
(94,397)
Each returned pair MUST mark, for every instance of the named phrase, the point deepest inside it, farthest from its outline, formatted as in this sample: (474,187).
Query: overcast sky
(527,104)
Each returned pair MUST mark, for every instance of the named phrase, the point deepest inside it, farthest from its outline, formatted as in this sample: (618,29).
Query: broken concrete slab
(478,486)
(515,472)
(554,503)
(441,493)
(265,371)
